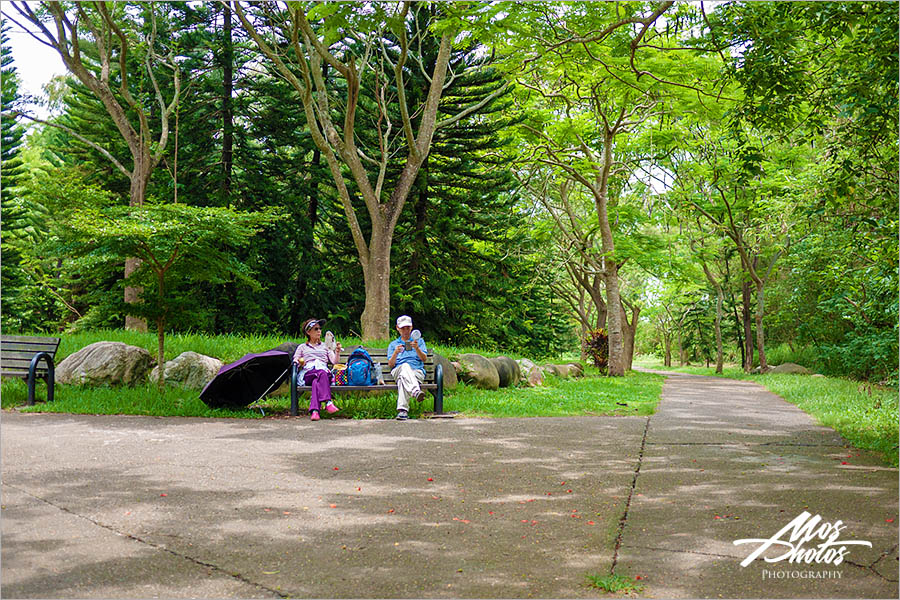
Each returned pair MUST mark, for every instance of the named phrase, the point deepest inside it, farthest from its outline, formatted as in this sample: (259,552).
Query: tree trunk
(376,313)
(719,352)
(421,210)
(227,110)
(133,294)
(161,334)
(630,331)
(719,301)
(611,269)
(667,342)
(748,333)
(760,333)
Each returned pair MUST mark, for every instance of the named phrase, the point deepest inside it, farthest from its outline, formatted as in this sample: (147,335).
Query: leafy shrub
(596,345)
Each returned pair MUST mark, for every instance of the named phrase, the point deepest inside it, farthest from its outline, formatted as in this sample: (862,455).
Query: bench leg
(439,392)
(31,381)
(294,373)
(32,376)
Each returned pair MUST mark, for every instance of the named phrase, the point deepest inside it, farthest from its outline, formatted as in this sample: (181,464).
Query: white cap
(404,321)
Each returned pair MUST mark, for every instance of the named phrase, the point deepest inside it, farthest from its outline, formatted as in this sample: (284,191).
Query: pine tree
(18,223)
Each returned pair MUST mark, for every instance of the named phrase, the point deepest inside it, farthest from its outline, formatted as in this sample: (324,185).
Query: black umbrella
(246,380)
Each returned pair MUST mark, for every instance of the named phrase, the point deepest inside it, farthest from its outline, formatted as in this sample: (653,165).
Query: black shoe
(420,396)
(402,415)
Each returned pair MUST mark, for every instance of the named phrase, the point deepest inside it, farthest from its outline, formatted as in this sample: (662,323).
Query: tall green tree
(110,48)
(578,119)
(298,45)
(17,219)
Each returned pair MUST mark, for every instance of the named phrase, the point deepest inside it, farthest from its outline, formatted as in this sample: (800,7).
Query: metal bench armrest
(32,375)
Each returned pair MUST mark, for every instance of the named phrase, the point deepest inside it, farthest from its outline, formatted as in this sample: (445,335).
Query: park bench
(21,356)
(434,380)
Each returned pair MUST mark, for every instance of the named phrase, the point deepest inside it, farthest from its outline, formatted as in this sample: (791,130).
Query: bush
(596,345)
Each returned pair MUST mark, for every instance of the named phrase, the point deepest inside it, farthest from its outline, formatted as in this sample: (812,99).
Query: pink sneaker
(314,415)
(331,408)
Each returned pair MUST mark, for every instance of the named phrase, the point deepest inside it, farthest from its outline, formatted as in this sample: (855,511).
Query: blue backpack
(360,368)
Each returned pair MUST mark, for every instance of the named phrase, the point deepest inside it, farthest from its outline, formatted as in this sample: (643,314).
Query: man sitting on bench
(406,360)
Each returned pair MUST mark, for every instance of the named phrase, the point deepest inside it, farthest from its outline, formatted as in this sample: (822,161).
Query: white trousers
(408,384)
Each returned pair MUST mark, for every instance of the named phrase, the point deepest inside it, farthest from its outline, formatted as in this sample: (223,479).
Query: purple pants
(320,381)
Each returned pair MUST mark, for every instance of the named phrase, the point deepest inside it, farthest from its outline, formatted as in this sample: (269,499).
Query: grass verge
(864,415)
(636,394)
(614,583)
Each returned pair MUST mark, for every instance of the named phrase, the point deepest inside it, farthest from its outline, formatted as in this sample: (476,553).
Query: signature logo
(809,540)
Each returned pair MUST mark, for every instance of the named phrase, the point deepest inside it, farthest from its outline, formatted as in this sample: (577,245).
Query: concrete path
(725,460)
(137,507)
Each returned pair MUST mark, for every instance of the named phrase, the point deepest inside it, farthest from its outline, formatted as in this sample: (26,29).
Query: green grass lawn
(636,394)
(865,415)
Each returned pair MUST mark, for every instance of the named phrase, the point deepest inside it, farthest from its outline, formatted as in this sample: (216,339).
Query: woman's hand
(300,361)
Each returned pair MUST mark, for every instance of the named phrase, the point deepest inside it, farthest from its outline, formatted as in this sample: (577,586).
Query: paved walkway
(100,506)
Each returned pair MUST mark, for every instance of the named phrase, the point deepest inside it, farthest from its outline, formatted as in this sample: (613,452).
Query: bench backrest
(16,352)
(379,355)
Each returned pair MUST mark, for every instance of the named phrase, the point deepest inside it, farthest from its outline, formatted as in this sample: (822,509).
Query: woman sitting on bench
(313,357)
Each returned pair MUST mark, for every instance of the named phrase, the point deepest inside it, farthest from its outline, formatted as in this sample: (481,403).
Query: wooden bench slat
(29,339)
(24,355)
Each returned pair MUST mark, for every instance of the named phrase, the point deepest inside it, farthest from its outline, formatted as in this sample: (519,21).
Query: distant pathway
(725,460)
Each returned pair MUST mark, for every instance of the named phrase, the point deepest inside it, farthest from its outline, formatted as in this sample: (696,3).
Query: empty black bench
(434,379)
(22,355)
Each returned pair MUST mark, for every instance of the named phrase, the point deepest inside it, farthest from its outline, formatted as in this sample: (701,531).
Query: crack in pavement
(624,520)
(153,545)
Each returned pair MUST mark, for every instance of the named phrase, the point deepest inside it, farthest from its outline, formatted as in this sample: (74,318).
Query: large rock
(478,371)
(507,369)
(450,380)
(791,368)
(576,369)
(566,371)
(188,370)
(551,369)
(532,374)
(110,363)
(289,347)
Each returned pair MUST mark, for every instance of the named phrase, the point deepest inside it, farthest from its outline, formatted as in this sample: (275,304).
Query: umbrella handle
(270,387)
